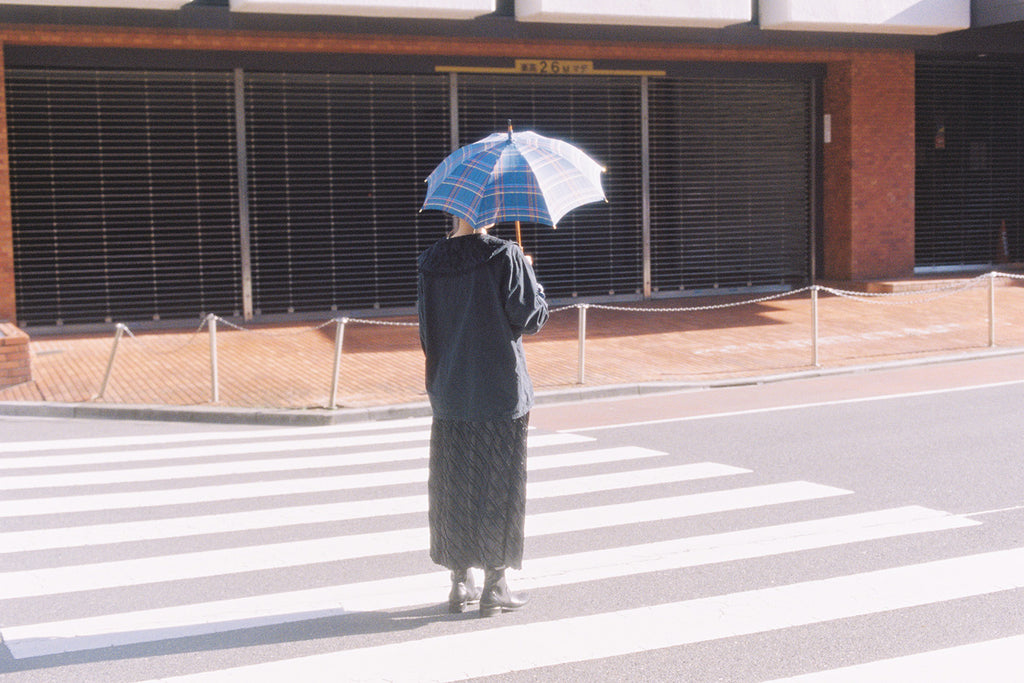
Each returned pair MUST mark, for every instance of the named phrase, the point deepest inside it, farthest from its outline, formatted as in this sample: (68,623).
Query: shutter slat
(730,200)
(336,169)
(123,190)
(969,180)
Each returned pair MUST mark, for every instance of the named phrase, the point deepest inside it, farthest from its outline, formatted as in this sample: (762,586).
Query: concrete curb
(316,417)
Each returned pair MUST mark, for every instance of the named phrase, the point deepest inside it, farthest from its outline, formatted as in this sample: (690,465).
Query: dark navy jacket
(477,297)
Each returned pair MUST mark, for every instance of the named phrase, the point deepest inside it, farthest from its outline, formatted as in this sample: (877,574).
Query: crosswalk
(188,540)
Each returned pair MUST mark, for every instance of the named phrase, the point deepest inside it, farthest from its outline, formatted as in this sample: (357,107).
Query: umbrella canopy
(510,177)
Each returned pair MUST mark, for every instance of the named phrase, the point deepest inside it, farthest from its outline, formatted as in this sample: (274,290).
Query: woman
(477,296)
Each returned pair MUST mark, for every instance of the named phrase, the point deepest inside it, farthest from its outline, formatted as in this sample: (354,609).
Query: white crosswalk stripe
(514,648)
(993,661)
(226,532)
(119,442)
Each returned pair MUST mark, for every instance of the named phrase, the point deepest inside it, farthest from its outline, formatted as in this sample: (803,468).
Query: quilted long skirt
(477,493)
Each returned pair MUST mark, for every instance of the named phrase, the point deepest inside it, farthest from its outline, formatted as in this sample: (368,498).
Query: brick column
(15,363)
(8,309)
(869,167)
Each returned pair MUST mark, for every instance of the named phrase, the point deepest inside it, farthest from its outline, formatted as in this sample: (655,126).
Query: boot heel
(490,610)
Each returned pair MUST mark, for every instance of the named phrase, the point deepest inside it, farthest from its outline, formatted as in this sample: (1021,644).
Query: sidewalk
(283,372)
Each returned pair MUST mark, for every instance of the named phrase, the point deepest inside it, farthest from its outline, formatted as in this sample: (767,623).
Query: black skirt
(477,493)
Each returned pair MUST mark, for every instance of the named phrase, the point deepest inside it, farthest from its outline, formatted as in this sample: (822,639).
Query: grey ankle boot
(496,597)
(464,591)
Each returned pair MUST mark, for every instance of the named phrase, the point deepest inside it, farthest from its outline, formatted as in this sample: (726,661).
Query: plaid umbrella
(517,177)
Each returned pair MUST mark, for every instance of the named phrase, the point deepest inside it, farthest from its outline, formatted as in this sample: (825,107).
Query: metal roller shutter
(123,190)
(126,197)
(596,249)
(970,182)
(730,183)
(336,169)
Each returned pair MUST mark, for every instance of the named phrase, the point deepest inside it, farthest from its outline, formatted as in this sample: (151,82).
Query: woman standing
(477,296)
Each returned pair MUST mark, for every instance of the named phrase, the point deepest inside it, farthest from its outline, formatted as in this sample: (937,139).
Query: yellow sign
(554,67)
(548,67)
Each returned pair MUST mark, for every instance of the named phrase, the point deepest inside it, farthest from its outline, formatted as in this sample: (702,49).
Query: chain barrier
(373,321)
(1012,276)
(920,296)
(265,333)
(687,309)
(885,298)
(148,347)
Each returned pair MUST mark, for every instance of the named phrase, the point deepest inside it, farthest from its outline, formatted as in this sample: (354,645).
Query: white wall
(700,13)
(122,4)
(413,9)
(926,17)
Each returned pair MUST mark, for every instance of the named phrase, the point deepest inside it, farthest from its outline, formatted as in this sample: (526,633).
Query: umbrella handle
(519,240)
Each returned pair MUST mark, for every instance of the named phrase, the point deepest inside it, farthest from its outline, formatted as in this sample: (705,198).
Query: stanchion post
(581,361)
(339,337)
(110,362)
(992,309)
(211,320)
(814,326)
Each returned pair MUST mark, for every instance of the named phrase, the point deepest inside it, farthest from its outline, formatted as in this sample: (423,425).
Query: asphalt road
(872,521)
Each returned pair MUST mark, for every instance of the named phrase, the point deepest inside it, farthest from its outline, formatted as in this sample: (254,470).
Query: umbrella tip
(510,129)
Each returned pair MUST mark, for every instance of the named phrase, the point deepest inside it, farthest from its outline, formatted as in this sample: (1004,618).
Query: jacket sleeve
(421,311)
(525,304)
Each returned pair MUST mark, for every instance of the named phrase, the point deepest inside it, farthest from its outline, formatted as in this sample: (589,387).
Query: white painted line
(265,445)
(233,522)
(798,406)
(11,482)
(630,479)
(148,530)
(190,437)
(203,494)
(495,651)
(677,507)
(224,615)
(992,661)
(56,580)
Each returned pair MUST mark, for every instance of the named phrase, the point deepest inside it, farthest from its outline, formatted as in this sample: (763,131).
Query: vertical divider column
(242,154)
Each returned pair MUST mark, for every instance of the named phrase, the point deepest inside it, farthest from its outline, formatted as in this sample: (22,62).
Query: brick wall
(869,167)
(7,303)
(15,363)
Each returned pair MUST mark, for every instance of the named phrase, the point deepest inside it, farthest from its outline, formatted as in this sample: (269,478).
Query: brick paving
(289,366)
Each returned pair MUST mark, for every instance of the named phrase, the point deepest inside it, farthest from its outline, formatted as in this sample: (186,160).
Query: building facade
(264,159)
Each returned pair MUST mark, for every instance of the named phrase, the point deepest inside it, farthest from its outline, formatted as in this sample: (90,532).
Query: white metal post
(339,337)
(211,319)
(992,309)
(110,362)
(814,326)
(582,342)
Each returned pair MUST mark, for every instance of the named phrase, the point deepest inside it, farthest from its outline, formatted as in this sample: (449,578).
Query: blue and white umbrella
(513,177)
